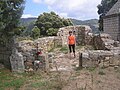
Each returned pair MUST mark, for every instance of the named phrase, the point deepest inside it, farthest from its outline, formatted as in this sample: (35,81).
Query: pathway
(62,62)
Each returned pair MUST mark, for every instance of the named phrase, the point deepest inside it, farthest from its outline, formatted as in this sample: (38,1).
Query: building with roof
(111,22)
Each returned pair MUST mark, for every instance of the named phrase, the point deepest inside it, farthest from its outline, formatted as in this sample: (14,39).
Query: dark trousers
(72,48)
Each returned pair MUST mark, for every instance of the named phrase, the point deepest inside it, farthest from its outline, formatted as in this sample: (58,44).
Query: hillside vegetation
(47,23)
(29,24)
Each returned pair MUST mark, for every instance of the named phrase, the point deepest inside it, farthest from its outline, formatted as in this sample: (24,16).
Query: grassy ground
(29,81)
(8,80)
(85,79)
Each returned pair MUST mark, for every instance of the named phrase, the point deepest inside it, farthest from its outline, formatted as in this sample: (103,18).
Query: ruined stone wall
(93,58)
(111,26)
(107,50)
(80,31)
(97,43)
(103,42)
(48,43)
(28,48)
(14,53)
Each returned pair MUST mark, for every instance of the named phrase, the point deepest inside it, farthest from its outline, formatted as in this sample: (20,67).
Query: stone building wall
(80,31)
(14,53)
(93,58)
(111,26)
(28,48)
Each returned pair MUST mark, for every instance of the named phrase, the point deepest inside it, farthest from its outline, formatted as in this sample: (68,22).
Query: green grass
(39,84)
(91,69)
(51,50)
(79,47)
(8,80)
(87,47)
(24,38)
(101,73)
(64,49)
(15,81)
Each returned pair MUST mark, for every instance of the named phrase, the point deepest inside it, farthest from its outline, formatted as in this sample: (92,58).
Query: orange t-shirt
(71,40)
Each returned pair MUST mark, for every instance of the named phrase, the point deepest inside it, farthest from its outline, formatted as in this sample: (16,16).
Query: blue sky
(77,9)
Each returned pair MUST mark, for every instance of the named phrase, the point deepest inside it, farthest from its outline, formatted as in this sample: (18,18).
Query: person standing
(71,43)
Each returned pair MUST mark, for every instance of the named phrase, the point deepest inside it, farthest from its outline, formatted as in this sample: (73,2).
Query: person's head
(70,32)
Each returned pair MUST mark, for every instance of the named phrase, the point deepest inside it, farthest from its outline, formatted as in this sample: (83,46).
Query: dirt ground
(92,78)
(65,75)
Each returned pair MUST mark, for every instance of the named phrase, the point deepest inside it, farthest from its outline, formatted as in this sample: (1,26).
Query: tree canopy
(49,23)
(10,13)
(103,8)
(35,32)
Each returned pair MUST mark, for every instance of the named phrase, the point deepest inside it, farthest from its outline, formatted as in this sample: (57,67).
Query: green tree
(52,31)
(35,32)
(103,8)
(19,30)
(10,13)
(29,27)
(49,23)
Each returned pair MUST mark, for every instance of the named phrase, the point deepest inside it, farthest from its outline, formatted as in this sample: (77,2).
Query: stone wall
(103,42)
(111,26)
(97,42)
(44,44)
(14,53)
(28,48)
(107,50)
(94,58)
(48,43)
(80,31)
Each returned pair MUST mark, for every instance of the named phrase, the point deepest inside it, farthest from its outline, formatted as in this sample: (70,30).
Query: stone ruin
(25,53)
(81,33)
(26,50)
(107,50)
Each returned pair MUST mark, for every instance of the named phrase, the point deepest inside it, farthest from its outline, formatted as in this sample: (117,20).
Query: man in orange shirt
(71,43)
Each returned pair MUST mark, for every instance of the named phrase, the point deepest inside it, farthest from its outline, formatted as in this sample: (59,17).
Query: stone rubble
(26,50)
(80,31)
(107,48)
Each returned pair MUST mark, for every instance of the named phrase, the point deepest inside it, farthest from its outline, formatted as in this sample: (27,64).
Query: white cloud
(37,1)
(80,9)
(28,16)
(63,15)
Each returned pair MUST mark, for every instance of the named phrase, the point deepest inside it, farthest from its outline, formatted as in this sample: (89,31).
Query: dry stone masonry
(107,50)
(21,55)
(80,31)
